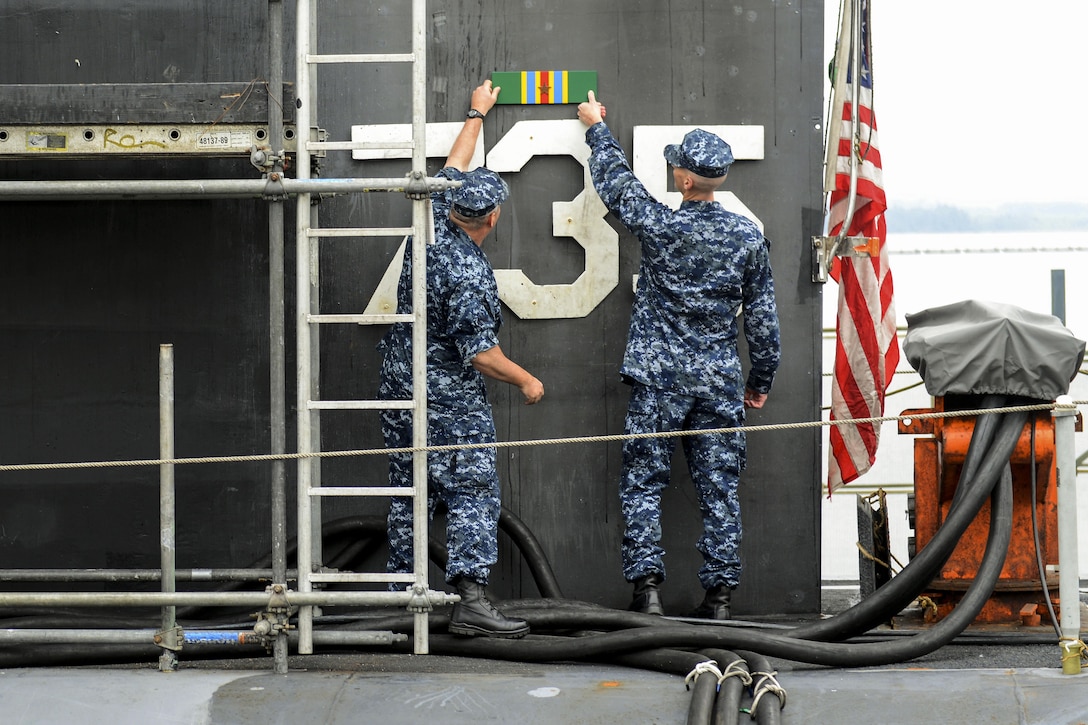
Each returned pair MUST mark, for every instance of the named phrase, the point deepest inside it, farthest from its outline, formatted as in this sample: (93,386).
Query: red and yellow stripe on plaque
(531,87)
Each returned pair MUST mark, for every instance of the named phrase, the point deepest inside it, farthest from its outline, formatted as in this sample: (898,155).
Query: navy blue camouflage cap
(480,192)
(702,153)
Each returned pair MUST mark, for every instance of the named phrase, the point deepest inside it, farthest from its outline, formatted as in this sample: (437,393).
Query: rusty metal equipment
(939,453)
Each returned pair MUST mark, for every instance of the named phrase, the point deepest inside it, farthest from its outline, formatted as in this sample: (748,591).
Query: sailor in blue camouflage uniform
(463,319)
(701,266)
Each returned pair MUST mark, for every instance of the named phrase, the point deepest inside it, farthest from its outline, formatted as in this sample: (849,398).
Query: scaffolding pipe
(208,188)
(138,575)
(148,636)
(1065,417)
(168,661)
(421,220)
(217,599)
(303,341)
(277,354)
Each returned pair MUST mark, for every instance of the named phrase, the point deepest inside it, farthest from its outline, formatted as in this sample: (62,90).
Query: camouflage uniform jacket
(463,319)
(700,266)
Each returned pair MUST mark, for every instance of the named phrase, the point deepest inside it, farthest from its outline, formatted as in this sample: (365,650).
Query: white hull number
(582,218)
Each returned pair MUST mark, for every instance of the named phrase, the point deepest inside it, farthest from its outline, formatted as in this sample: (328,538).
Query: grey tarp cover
(992,348)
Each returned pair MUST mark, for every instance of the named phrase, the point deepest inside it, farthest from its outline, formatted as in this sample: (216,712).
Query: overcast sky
(980,102)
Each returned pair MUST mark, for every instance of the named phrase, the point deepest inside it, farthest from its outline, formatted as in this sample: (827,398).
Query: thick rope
(767,684)
(737,668)
(709,666)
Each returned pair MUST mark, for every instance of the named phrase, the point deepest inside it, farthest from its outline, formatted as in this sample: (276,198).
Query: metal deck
(410,689)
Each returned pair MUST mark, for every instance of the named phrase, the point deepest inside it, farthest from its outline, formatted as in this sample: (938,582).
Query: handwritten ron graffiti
(127,141)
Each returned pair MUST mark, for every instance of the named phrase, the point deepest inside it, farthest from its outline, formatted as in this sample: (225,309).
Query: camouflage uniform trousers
(714,462)
(466,481)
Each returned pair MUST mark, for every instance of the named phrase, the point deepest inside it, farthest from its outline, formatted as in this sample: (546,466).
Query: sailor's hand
(752,399)
(533,390)
(591,111)
(484,97)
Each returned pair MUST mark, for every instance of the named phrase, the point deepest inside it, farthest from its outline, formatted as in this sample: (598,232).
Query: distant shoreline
(1007,218)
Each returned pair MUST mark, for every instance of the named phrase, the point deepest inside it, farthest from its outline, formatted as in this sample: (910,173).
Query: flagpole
(855,99)
(834,115)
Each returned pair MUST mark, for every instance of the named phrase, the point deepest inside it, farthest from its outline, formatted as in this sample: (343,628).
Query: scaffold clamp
(274,190)
(417,187)
(420,601)
(277,601)
(170,639)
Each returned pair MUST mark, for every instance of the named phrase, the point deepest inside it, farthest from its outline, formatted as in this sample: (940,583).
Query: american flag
(866,350)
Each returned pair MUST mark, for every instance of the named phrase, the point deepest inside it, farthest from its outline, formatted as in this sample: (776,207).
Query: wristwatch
(473,113)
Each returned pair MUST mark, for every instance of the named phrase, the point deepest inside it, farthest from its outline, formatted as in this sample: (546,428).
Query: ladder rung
(361,577)
(360,319)
(359,145)
(359,232)
(360,57)
(399,491)
(359,404)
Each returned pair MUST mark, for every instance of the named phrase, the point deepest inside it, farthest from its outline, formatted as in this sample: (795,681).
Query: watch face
(473,113)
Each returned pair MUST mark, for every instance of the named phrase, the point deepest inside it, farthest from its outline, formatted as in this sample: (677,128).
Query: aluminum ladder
(309,319)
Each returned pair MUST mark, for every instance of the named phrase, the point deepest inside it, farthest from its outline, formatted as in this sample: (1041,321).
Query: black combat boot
(475,616)
(647,598)
(715,604)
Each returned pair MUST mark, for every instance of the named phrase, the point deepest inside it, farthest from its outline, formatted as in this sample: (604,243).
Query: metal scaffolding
(306,140)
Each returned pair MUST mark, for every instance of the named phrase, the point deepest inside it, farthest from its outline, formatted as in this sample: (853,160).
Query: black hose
(586,617)
(655,635)
(731,689)
(532,552)
(981,438)
(703,694)
(566,617)
(894,596)
(767,703)
(31,618)
(529,546)
(574,618)
(538,648)
(71,654)
(669,661)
